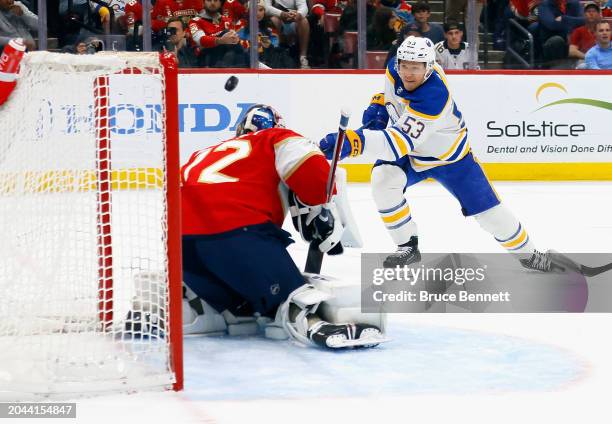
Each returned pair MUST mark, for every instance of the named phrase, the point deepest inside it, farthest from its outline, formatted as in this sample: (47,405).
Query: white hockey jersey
(424,124)
(452,58)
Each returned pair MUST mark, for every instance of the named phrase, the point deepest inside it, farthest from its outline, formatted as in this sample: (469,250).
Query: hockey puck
(231,83)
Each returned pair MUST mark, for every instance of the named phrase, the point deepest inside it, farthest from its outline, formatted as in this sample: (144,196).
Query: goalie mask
(259,117)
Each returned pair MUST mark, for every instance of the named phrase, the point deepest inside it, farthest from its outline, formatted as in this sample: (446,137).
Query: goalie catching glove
(317,224)
(352,146)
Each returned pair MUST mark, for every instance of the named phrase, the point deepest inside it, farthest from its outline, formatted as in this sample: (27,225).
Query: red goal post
(90,264)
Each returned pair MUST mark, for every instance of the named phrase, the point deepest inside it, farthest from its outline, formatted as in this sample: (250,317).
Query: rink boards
(522,126)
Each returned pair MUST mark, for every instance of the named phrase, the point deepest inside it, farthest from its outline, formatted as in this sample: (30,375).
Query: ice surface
(507,368)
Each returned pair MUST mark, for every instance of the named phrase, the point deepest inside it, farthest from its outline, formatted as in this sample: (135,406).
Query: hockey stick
(587,271)
(314,260)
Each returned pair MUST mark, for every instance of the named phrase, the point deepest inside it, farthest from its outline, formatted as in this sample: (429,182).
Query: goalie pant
(234,250)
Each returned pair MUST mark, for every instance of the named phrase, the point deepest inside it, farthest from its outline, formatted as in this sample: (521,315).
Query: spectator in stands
(177,43)
(422,12)
(348,20)
(455,8)
(89,45)
(161,12)
(14,23)
(289,17)
(600,55)
(213,35)
(557,18)
(318,53)
(381,32)
(452,52)
(25,9)
(319,39)
(402,10)
(408,30)
(237,11)
(524,12)
(583,37)
(81,18)
(412,29)
(321,7)
(605,7)
(270,52)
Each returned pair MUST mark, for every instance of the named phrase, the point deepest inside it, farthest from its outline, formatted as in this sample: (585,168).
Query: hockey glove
(375,117)
(327,228)
(352,146)
(320,224)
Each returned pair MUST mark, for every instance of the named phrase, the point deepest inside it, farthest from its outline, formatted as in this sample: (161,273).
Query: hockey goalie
(238,275)
(9,66)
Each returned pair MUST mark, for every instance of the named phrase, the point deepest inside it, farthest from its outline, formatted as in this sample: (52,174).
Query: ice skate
(540,261)
(404,255)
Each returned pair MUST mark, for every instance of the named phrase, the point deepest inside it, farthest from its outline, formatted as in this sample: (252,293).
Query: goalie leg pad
(300,318)
(345,303)
(201,318)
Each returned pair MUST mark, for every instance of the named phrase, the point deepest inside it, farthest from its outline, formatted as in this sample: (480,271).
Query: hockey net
(89,255)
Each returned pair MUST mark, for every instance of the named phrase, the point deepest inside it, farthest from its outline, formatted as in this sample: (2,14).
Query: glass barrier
(319,34)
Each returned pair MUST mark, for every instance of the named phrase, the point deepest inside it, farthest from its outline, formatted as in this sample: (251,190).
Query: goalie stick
(314,260)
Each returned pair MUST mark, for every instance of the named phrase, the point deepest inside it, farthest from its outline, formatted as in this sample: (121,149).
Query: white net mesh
(83,227)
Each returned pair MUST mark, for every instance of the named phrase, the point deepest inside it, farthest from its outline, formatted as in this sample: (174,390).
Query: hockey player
(427,138)
(234,250)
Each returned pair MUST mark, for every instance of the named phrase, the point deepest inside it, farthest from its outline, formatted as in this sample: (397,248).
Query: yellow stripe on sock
(396,216)
(516,242)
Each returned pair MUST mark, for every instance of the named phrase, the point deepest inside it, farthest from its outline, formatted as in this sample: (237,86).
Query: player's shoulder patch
(439,47)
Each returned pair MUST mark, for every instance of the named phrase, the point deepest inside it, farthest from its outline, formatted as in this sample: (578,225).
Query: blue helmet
(259,117)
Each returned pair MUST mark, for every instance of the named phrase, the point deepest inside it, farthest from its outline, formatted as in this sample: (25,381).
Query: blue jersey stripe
(405,221)
(394,208)
(391,144)
(520,227)
(459,149)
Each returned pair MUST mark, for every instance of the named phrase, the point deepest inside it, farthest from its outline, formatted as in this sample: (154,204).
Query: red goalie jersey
(236,183)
